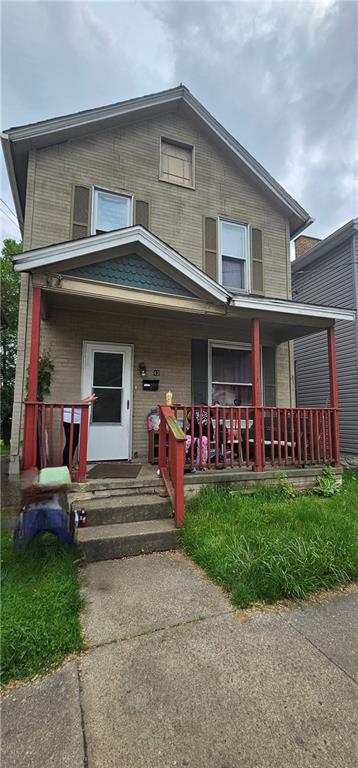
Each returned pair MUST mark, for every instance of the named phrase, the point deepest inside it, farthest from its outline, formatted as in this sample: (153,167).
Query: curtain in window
(231,376)
(112,211)
(231,365)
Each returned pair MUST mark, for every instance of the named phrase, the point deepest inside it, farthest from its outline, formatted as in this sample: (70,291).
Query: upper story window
(110,211)
(234,256)
(176,163)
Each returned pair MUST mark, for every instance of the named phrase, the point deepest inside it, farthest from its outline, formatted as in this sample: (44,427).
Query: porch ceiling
(232,324)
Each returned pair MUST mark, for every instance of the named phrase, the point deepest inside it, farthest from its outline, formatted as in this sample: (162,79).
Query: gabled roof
(87,246)
(18,141)
(328,244)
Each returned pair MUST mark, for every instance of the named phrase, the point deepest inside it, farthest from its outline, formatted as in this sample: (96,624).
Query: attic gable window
(110,211)
(176,163)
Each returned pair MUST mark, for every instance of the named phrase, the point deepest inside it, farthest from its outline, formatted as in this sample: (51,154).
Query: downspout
(290,346)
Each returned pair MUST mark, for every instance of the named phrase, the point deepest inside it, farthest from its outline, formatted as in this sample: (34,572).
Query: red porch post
(333,386)
(256,395)
(82,464)
(29,457)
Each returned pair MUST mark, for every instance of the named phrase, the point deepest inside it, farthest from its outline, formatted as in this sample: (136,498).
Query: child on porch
(201,442)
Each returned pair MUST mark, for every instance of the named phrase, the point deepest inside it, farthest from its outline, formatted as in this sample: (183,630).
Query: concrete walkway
(176,677)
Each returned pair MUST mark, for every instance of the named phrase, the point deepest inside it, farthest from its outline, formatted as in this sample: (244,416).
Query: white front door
(107,373)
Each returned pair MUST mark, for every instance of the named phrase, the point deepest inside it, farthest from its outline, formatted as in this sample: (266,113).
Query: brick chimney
(304,243)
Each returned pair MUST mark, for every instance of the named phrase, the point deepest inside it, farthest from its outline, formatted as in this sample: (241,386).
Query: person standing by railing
(72,419)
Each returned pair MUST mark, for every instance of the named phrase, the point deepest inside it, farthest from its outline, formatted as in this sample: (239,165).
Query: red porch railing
(253,437)
(214,436)
(44,436)
(171,460)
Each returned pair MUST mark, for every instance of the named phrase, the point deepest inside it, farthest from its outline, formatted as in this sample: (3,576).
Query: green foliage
(263,547)
(40,606)
(327,483)
(284,487)
(10,291)
(44,377)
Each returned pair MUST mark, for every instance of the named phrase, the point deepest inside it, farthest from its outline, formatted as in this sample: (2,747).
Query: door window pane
(108,408)
(108,369)
(111,211)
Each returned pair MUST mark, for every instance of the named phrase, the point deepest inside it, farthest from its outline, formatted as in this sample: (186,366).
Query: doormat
(114,470)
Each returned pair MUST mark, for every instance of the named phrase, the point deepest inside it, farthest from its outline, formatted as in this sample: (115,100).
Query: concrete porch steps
(108,542)
(125,509)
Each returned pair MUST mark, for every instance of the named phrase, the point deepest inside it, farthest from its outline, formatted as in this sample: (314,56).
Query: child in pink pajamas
(204,448)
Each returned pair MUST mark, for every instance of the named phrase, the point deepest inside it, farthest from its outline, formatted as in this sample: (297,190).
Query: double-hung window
(110,211)
(234,257)
(231,382)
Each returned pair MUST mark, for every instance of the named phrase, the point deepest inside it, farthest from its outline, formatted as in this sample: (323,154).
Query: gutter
(10,167)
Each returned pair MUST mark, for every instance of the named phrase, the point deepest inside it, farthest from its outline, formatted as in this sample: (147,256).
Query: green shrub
(327,483)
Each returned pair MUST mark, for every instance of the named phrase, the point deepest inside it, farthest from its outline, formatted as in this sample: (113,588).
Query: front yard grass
(264,547)
(40,606)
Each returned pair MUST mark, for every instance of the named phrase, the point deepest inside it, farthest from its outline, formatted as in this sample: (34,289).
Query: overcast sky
(281,77)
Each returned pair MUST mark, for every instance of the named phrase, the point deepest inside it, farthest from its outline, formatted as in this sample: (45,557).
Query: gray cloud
(282,77)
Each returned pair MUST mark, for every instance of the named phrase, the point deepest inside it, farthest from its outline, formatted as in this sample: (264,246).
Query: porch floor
(243,478)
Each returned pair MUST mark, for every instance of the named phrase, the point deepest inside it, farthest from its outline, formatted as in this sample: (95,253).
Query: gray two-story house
(157,258)
(326,271)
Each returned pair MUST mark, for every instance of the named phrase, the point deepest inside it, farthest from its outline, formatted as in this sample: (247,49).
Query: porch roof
(284,319)
(72,250)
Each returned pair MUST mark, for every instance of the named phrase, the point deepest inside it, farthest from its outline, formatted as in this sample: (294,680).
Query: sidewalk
(176,677)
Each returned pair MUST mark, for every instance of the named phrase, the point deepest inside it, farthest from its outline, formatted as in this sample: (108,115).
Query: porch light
(142,369)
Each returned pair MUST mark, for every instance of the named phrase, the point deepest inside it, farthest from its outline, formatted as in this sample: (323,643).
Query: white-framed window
(234,268)
(230,381)
(176,163)
(110,210)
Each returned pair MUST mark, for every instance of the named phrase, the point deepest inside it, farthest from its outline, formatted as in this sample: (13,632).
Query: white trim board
(262,304)
(72,249)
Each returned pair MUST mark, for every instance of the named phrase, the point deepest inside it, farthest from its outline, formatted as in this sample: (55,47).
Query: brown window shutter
(80,222)
(142,213)
(257,262)
(211,247)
